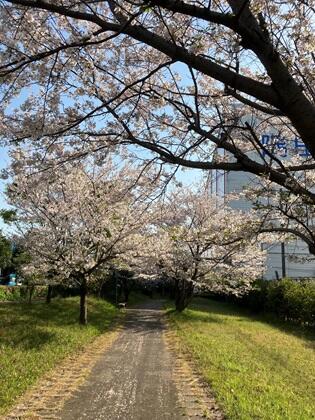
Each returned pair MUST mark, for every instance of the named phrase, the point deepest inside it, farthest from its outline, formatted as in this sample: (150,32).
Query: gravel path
(133,379)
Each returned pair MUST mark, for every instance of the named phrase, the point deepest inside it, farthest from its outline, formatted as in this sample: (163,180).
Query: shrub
(292,300)
(10,293)
(20,293)
(255,300)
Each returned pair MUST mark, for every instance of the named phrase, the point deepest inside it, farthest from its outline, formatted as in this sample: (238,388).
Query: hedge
(290,300)
(21,293)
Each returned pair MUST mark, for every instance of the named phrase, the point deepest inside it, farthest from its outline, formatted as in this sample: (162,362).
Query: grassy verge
(34,338)
(257,369)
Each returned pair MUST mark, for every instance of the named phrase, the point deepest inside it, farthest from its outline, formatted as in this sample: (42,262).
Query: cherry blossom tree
(198,240)
(181,79)
(78,219)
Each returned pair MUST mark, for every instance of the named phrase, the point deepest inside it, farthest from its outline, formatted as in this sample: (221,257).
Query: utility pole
(283,260)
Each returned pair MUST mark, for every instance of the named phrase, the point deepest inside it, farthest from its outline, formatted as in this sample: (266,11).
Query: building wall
(235,182)
(293,268)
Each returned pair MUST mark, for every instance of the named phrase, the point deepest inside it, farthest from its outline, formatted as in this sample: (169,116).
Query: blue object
(12,279)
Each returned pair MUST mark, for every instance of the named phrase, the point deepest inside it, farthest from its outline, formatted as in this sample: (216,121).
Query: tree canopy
(213,85)
(174,77)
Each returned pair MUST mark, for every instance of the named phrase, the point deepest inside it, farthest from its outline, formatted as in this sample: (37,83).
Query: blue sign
(280,146)
(12,280)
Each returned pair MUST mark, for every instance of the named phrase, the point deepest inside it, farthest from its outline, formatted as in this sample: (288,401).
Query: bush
(21,293)
(291,300)
(9,293)
(256,299)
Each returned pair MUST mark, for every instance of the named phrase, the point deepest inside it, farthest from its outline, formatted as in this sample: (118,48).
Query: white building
(281,258)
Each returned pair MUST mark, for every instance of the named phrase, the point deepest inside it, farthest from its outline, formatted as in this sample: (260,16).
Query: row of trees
(216,85)
(177,79)
(81,220)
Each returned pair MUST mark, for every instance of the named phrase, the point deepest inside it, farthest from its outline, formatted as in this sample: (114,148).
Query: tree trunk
(83,302)
(126,293)
(49,294)
(30,293)
(183,293)
(311,247)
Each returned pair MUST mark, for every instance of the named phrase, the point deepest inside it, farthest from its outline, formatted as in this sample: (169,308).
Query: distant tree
(198,240)
(126,282)
(280,211)
(5,252)
(20,256)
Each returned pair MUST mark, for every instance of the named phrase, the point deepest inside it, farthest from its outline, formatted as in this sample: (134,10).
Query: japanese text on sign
(281,146)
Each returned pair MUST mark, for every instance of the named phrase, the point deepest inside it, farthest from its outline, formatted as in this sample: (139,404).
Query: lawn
(257,368)
(35,338)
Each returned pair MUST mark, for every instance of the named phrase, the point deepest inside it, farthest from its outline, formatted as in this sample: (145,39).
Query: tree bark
(126,293)
(30,293)
(183,293)
(49,294)
(83,302)
(127,283)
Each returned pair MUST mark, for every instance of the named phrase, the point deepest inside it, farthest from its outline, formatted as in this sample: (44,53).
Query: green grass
(257,368)
(35,338)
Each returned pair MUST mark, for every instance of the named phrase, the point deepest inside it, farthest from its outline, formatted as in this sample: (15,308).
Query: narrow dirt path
(137,371)
(133,379)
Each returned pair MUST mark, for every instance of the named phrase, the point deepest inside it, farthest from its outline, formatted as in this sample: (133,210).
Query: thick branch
(236,81)
(295,232)
(258,169)
(178,6)
(284,94)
